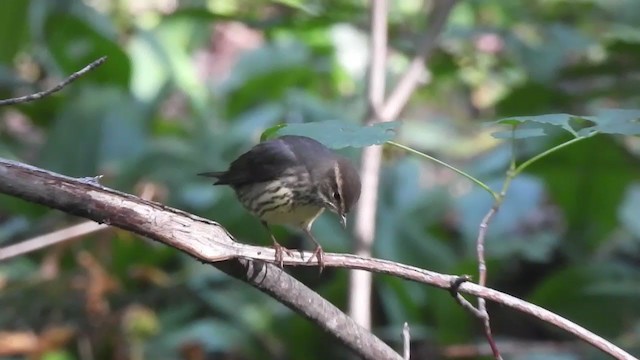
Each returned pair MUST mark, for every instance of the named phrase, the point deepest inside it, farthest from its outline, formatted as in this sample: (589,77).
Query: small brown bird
(291,180)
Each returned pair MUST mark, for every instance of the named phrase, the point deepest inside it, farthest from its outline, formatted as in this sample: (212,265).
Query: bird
(291,180)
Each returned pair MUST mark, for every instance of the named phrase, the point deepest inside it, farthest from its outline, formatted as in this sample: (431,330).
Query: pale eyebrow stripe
(338,176)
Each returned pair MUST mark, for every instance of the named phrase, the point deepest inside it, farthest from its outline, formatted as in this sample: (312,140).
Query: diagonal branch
(203,239)
(207,241)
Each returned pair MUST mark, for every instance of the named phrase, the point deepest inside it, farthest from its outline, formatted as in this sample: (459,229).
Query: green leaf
(272,132)
(605,121)
(336,134)
(540,124)
(519,133)
(616,121)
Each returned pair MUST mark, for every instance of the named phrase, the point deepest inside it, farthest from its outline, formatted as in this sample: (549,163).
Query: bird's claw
(319,254)
(279,251)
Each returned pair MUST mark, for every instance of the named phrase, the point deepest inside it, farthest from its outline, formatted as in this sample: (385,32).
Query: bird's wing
(314,156)
(264,162)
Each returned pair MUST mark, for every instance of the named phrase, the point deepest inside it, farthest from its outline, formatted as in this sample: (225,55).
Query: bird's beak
(343,220)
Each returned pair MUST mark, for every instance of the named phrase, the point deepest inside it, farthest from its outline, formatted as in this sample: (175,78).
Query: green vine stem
(525,164)
(450,167)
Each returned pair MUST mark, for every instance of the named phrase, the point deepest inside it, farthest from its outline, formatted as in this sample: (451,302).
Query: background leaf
(338,135)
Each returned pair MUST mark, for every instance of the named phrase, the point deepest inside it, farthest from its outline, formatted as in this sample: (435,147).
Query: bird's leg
(277,247)
(318,252)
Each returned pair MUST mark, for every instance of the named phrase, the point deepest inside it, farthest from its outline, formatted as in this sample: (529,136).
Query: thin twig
(62,235)
(65,82)
(209,242)
(453,290)
(482,313)
(406,340)
(482,234)
(56,237)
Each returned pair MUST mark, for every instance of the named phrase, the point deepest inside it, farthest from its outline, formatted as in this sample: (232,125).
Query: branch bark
(203,239)
(209,242)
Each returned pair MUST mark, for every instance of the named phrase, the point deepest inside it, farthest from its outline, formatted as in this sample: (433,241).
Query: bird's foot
(279,251)
(319,254)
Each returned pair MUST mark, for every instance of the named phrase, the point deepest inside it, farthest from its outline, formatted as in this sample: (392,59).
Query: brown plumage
(291,180)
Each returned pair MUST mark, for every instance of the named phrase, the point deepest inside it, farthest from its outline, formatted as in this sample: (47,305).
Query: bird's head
(340,188)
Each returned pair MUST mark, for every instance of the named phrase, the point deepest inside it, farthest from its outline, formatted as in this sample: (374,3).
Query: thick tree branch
(207,241)
(203,239)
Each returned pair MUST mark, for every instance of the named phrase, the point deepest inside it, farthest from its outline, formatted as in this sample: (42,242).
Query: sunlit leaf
(616,121)
(605,121)
(541,123)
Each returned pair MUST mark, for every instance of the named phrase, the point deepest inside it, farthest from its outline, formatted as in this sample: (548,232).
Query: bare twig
(482,235)
(406,341)
(482,280)
(482,264)
(56,237)
(360,282)
(65,82)
(209,242)
(62,235)
(453,290)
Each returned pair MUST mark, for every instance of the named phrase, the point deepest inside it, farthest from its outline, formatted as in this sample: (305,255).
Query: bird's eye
(336,196)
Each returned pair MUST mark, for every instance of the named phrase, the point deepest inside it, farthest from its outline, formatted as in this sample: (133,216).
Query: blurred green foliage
(190,85)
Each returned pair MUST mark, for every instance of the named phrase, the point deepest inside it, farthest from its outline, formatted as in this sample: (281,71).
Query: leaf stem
(525,164)
(473,179)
